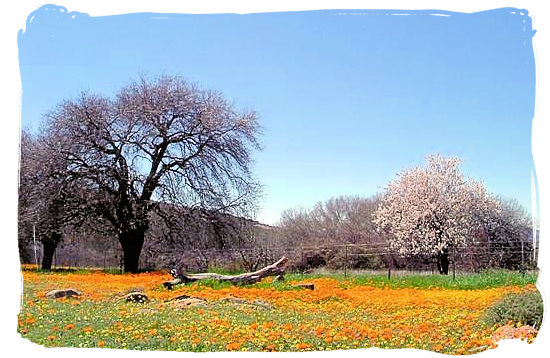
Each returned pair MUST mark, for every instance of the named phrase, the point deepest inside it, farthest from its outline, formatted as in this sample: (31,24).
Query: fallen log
(275,269)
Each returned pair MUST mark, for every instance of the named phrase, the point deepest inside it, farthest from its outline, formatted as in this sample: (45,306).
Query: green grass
(469,281)
(462,281)
(488,279)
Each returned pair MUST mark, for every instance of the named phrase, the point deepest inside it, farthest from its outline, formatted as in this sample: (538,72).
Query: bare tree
(505,236)
(48,201)
(161,140)
(328,226)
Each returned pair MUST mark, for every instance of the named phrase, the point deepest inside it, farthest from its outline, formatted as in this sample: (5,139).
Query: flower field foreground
(337,314)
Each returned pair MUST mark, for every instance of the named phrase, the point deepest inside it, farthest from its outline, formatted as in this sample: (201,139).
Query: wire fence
(346,258)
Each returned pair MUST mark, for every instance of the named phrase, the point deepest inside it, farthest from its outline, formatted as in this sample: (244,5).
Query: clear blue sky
(347,98)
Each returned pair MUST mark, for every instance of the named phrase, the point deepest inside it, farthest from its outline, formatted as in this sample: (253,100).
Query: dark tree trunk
(132,243)
(443,263)
(49,246)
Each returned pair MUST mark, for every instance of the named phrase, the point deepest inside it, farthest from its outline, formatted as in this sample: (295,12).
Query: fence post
(522,262)
(454,263)
(346,261)
(389,272)
(302,264)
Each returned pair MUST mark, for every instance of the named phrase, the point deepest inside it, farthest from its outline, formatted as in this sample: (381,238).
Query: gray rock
(185,303)
(262,304)
(234,300)
(63,293)
(137,297)
(239,301)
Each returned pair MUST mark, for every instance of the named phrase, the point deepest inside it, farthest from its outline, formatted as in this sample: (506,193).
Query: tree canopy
(433,209)
(161,140)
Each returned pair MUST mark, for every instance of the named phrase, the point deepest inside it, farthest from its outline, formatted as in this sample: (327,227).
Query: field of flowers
(338,314)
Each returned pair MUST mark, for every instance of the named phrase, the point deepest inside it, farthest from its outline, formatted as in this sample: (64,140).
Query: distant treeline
(337,234)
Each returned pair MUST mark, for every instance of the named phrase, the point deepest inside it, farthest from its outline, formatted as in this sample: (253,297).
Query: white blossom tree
(432,210)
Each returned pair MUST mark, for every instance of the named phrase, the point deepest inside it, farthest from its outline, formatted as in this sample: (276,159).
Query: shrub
(525,308)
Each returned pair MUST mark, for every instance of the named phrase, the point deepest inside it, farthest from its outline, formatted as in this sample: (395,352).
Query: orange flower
(270,347)
(69,326)
(423,327)
(232,346)
(51,337)
(100,343)
(87,329)
(303,345)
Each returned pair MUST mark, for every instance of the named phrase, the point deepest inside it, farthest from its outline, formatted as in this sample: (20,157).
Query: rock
(148,311)
(63,293)
(170,284)
(234,300)
(185,303)
(262,304)
(137,297)
(510,332)
(308,286)
(240,301)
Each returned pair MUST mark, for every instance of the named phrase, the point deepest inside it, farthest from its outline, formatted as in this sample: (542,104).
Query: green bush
(525,308)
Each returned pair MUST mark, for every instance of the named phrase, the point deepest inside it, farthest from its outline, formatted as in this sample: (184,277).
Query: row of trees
(425,214)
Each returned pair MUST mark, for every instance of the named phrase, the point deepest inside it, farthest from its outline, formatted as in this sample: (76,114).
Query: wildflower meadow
(425,312)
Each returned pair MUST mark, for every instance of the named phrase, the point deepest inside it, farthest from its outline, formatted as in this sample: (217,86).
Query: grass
(468,281)
(462,281)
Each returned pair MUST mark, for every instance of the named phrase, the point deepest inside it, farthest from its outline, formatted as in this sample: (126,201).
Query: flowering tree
(432,210)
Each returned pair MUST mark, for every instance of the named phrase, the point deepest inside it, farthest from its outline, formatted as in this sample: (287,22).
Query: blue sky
(346,98)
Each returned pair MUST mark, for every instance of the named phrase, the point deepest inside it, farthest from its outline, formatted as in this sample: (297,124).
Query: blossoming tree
(432,210)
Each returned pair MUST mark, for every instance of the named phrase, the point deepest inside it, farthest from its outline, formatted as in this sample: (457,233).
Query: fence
(518,255)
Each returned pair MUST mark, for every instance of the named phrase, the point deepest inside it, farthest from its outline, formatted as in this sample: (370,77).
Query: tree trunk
(278,268)
(443,262)
(132,243)
(49,246)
